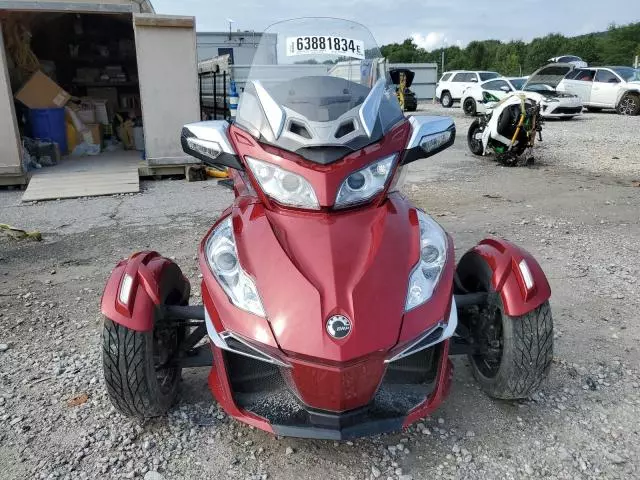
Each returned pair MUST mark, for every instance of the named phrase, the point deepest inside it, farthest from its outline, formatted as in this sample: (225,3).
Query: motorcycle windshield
(317,83)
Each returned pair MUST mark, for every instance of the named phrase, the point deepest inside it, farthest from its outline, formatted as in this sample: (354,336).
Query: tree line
(617,46)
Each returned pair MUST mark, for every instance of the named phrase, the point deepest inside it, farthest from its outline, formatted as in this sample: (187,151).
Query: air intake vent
(299,129)
(345,129)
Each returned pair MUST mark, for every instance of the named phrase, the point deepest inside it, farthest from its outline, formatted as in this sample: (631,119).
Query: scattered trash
(20,234)
(85,148)
(591,383)
(78,400)
(492,195)
(216,172)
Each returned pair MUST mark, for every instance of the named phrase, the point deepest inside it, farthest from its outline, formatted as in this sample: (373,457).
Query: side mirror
(208,141)
(505,88)
(430,135)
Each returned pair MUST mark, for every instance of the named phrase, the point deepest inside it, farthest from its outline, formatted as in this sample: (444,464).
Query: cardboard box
(42,92)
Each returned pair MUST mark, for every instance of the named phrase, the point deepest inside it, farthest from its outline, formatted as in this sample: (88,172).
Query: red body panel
(219,385)
(145,268)
(440,392)
(337,388)
(503,257)
(325,179)
(357,264)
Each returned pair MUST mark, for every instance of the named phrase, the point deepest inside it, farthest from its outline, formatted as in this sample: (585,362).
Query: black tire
(469,106)
(521,362)
(410,101)
(629,104)
(446,100)
(130,358)
(594,109)
(475,146)
(411,105)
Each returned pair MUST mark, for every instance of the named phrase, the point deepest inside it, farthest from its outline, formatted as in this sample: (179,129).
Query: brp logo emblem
(338,326)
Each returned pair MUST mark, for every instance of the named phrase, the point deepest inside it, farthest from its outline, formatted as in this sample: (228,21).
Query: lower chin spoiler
(364,429)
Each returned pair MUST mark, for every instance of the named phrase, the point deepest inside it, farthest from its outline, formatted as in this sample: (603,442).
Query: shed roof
(107,6)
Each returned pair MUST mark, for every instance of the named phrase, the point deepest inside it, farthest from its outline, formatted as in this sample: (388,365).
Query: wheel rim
(487,332)
(476,144)
(468,106)
(628,105)
(445,100)
(165,345)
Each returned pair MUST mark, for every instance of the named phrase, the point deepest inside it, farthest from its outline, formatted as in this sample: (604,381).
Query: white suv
(451,85)
(605,87)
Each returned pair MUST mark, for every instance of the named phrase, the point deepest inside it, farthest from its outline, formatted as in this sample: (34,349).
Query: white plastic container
(138,138)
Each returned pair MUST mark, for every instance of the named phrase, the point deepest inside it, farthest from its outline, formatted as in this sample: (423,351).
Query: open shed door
(10,151)
(168,74)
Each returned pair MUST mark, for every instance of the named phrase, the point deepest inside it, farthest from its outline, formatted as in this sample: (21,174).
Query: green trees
(617,46)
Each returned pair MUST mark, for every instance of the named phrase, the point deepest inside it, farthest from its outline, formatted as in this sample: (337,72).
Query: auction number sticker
(328,45)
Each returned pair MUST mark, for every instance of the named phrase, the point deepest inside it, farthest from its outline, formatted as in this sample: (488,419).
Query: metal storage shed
(164,67)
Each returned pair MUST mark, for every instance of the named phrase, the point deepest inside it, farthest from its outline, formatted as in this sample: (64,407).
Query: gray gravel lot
(576,210)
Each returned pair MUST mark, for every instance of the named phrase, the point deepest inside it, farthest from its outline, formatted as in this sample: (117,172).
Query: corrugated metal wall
(424,83)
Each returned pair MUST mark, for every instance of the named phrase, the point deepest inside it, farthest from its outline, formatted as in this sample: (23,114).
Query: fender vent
(345,129)
(299,129)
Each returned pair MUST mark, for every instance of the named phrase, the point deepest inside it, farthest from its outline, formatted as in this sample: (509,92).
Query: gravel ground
(579,219)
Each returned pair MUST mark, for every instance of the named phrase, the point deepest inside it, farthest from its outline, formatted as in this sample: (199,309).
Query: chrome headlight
(433,254)
(365,183)
(283,186)
(222,257)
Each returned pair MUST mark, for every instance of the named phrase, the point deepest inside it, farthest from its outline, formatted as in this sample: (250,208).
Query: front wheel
(475,143)
(137,367)
(469,106)
(132,360)
(446,100)
(514,354)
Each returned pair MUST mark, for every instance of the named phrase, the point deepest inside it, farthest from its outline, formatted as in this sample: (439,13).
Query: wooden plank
(106,174)
(167,21)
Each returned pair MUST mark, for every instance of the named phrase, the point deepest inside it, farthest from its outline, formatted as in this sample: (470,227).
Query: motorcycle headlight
(365,183)
(433,254)
(283,186)
(222,257)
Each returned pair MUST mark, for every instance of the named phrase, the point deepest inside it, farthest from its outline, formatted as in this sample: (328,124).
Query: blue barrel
(48,124)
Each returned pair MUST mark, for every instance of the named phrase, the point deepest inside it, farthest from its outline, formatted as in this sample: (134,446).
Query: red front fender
(508,280)
(137,285)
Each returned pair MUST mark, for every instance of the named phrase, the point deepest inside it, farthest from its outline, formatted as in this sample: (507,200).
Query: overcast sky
(428,22)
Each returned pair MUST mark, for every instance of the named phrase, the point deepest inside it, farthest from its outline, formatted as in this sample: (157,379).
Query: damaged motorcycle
(508,129)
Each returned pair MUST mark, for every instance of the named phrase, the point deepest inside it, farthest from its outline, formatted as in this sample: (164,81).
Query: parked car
(452,84)
(475,97)
(571,59)
(540,87)
(605,87)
